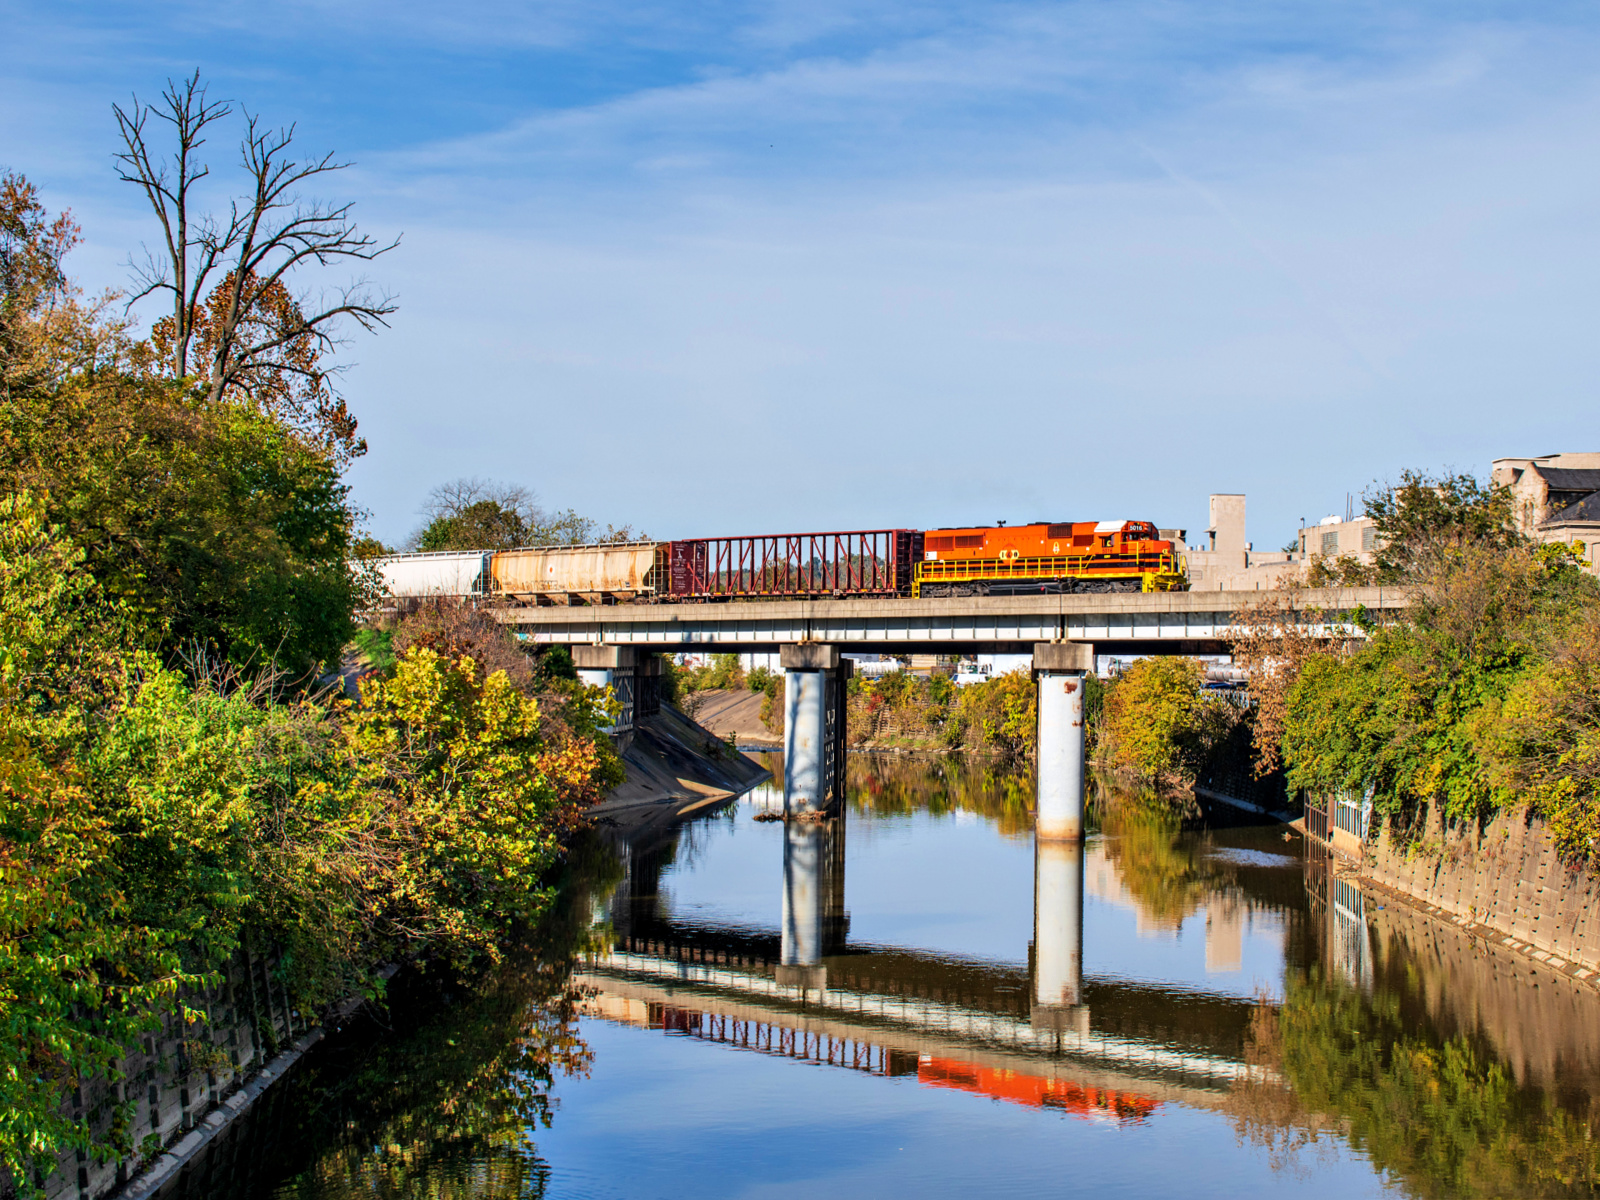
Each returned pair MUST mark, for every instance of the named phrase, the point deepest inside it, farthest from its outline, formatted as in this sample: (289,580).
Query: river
(916,1000)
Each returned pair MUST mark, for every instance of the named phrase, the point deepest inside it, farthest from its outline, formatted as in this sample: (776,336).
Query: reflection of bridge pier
(814,919)
(1058,936)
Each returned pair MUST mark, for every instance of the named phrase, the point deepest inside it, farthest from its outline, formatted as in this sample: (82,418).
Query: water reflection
(1241,1018)
(1458,1068)
(1344,1028)
(1058,932)
(815,922)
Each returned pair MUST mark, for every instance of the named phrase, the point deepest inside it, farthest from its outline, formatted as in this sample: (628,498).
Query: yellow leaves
(1542,744)
(448,782)
(1149,711)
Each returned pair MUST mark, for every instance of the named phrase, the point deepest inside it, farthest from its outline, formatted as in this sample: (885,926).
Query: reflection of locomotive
(1111,556)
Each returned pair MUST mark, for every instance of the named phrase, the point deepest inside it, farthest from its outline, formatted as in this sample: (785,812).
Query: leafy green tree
(1426,519)
(481,514)
(485,525)
(222,531)
(1411,715)
(1542,742)
(80,978)
(219,530)
(1157,724)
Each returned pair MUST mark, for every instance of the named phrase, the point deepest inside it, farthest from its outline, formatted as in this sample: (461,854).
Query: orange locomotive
(1089,556)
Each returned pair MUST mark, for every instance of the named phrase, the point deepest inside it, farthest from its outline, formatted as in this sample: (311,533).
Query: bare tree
(250,323)
(454,498)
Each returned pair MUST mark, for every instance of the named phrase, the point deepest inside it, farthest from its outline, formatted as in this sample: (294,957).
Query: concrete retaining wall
(179,1075)
(1506,877)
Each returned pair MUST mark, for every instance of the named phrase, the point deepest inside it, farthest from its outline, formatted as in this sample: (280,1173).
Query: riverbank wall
(183,1080)
(1503,877)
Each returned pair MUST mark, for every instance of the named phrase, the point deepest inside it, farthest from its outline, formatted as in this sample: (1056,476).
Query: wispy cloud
(1292,248)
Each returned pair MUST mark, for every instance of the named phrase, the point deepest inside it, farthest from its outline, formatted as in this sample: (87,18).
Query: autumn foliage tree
(1157,724)
(288,379)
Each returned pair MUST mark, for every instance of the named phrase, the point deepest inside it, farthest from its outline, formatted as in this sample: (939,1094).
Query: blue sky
(751,267)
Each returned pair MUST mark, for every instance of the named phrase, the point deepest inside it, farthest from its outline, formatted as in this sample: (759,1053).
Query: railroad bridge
(615,646)
(1113,623)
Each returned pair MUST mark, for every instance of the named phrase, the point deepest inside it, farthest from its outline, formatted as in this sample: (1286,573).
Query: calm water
(917,1000)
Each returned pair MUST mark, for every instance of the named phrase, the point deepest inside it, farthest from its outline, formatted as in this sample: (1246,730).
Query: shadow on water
(440,1093)
(1374,1038)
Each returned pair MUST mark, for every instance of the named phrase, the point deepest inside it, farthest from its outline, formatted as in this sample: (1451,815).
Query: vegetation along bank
(176,785)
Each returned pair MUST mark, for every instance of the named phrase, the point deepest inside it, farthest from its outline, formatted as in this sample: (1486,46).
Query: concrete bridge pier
(598,665)
(1058,936)
(631,675)
(1060,668)
(813,727)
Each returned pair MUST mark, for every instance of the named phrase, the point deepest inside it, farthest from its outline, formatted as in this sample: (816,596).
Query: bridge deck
(1180,622)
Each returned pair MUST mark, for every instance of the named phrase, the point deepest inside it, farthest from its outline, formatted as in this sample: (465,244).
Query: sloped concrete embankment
(676,766)
(737,715)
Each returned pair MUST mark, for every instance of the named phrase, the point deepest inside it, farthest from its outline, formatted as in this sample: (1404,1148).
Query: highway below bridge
(1140,623)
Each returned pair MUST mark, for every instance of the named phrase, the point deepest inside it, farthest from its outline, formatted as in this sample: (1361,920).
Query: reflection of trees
(1167,871)
(899,785)
(1441,1114)
(445,1103)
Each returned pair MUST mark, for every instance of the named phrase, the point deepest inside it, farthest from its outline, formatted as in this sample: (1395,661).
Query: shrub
(151,824)
(1157,724)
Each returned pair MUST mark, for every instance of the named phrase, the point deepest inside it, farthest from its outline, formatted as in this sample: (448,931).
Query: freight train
(1047,558)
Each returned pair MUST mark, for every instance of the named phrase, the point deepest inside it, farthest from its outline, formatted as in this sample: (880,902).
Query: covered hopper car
(607,572)
(443,573)
(992,560)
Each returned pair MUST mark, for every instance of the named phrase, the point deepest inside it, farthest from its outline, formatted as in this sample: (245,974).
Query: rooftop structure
(1556,498)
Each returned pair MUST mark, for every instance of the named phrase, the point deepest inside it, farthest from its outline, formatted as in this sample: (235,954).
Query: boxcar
(593,574)
(443,573)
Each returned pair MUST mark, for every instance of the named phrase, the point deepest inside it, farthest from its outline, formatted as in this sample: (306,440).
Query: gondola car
(1085,556)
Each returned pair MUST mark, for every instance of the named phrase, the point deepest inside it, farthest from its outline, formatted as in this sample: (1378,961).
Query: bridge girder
(1158,623)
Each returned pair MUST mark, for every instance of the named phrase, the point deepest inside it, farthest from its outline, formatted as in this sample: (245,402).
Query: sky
(749,267)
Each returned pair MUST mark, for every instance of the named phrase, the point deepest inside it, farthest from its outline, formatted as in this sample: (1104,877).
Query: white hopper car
(443,573)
